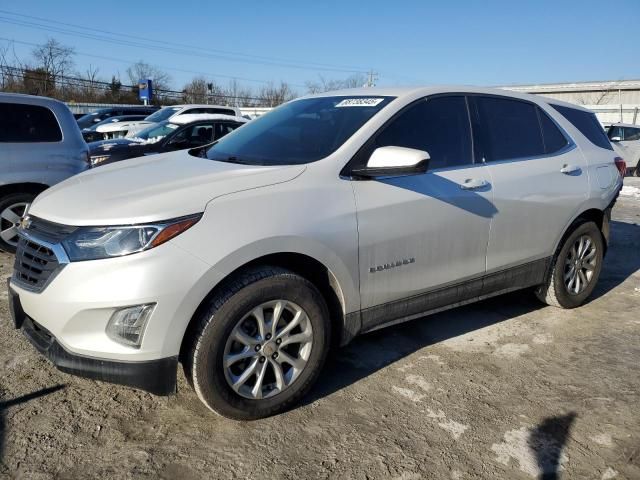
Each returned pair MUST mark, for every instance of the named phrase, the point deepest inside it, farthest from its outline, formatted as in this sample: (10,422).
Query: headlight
(98,159)
(92,243)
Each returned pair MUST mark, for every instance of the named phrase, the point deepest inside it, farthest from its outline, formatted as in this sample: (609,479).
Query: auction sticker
(360,102)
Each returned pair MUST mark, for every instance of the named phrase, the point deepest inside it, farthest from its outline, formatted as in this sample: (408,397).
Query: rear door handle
(569,169)
(473,184)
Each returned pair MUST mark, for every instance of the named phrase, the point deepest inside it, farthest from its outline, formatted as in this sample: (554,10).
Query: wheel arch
(307,267)
(23,187)
(592,214)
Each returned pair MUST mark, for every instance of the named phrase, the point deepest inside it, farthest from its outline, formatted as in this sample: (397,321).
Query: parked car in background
(92,118)
(183,131)
(40,145)
(626,137)
(96,133)
(168,113)
(332,215)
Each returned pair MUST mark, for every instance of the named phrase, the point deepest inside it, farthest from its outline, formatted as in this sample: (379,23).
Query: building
(612,101)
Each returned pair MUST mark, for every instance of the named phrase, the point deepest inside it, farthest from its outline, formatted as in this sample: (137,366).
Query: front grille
(36,264)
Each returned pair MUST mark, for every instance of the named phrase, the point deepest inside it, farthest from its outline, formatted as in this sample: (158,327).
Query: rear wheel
(576,268)
(636,171)
(12,208)
(260,344)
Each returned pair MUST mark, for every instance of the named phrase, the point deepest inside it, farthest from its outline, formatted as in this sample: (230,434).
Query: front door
(426,232)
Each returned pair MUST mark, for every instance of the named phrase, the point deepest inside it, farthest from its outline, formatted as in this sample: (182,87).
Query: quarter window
(587,123)
(439,125)
(509,128)
(28,123)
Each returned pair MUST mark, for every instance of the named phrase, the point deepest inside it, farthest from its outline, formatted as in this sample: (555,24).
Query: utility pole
(371,79)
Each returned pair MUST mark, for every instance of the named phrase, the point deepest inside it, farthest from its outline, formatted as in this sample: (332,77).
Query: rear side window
(219,111)
(554,139)
(631,134)
(588,125)
(439,125)
(509,128)
(28,123)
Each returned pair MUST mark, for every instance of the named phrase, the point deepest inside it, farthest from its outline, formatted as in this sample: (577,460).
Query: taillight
(621,165)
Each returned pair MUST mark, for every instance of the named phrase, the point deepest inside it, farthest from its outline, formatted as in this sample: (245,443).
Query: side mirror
(394,161)
(616,139)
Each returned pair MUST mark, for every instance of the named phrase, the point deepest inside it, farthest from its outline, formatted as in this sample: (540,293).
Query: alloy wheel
(580,265)
(10,221)
(268,349)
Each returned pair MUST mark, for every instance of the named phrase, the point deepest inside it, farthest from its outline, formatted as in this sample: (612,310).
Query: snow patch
(609,474)
(511,350)
(419,381)
(542,338)
(629,191)
(456,429)
(408,393)
(603,439)
(534,460)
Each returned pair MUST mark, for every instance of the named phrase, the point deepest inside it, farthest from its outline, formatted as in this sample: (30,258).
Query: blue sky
(406,42)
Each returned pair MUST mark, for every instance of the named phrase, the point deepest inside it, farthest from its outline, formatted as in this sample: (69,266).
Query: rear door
(539,179)
(421,232)
(630,144)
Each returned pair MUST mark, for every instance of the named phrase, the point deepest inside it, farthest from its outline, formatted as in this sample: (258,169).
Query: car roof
(199,105)
(628,125)
(29,99)
(195,117)
(401,92)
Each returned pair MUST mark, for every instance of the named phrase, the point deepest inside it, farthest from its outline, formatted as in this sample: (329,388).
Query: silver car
(40,145)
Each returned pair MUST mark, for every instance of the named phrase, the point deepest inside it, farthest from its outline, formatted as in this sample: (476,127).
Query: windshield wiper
(233,159)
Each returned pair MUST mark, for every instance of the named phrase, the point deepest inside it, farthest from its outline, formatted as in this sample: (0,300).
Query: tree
(54,59)
(272,96)
(142,70)
(196,91)
(326,85)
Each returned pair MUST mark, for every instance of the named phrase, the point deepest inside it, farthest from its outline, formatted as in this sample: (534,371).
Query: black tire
(203,357)
(636,171)
(7,202)
(555,291)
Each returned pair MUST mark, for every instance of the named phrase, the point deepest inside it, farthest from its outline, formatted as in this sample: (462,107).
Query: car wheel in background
(576,268)
(12,208)
(259,344)
(636,171)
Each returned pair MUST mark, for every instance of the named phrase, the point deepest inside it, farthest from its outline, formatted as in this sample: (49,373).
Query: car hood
(150,189)
(117,126)
(102,146)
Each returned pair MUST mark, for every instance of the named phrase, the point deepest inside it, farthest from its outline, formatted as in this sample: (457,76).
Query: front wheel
(259,345)
(576,268)
(12,208)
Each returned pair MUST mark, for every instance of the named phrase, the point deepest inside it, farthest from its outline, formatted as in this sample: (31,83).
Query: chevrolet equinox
(332,215)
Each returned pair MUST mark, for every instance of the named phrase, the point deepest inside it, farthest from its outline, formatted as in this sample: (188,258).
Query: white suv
(627,138)
(330,216)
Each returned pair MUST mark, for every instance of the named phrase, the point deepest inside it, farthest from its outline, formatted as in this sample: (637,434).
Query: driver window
(439,125)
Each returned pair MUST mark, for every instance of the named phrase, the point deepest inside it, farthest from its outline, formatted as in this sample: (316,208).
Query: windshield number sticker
(359,102)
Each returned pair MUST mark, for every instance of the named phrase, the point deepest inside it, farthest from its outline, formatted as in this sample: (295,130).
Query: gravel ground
(506,388)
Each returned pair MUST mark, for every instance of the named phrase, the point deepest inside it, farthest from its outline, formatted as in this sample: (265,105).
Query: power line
(124,61)
(191,47)
(171,50)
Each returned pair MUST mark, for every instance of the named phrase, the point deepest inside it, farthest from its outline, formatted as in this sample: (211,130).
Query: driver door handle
(473,184)
(569,169)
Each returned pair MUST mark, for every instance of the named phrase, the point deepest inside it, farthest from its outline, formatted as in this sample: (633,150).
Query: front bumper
(153,376)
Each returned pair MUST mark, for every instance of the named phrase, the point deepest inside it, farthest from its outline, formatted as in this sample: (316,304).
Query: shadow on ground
(547,442)
(4,405)
(622,259)
(374,351)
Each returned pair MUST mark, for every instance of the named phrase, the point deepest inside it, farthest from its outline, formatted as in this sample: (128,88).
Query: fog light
(126,325)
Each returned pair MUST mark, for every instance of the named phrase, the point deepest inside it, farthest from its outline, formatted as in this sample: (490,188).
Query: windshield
(298,132)
(155,132)
(162,114)
(91,119)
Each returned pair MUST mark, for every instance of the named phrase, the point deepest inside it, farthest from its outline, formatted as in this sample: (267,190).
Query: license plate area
(15,307)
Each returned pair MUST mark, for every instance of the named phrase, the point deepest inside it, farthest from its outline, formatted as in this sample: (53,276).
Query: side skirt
(440,299)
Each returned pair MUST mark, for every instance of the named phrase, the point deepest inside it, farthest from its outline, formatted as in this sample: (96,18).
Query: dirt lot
(505,388)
